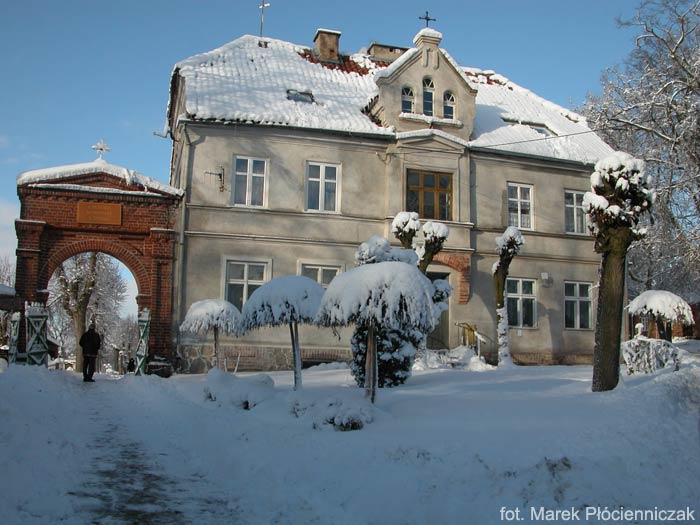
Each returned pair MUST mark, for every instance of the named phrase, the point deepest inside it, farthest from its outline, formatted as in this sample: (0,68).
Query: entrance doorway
(439,338)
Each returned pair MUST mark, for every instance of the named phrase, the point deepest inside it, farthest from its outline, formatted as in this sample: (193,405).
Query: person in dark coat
(90,342)
(131,367)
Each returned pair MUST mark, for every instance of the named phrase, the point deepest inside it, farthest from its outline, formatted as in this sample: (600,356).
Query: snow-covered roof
(96,166)
(246,82)
(6,290)
(512,118)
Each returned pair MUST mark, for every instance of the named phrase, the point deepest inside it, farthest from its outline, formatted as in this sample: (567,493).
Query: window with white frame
(521,302)
(322,187)
(428,93)
(242,279)
(249,176)
(574,213)
(448,105)
(406,100)
(323,274)
(520,205)
(577,305)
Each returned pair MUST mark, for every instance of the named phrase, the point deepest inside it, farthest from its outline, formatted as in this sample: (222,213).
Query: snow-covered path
(451,446)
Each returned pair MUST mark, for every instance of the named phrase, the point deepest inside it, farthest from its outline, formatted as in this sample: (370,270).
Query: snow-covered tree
(216,315)
(288,300)
(650,107)
(397,347)
(664,307)
(85,288)
(507,246)
(387,295)
(7,278)
(620,194)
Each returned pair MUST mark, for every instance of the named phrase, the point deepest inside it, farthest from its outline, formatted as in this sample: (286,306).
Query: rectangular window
(242,279)
(322,274)
(429,194)
(574,214)
(249,176)
(520,205)
(521,302)
(577,305)
(322,187)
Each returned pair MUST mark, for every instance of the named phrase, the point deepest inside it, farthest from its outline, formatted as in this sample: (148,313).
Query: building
(292,156)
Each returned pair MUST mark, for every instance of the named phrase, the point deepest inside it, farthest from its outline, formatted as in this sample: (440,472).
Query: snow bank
(210,313)
(243,392)
(662,304)
(283,300)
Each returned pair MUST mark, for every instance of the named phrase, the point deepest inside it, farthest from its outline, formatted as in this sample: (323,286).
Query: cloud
(9,211)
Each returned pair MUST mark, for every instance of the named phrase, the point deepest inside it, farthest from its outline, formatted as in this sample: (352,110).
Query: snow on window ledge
(432,120)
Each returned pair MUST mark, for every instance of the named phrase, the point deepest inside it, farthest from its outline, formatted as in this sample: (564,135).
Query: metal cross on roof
(262,7)
(101,148)
(427,19)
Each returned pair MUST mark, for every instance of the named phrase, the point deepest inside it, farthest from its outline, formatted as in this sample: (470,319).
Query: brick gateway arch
(97,206)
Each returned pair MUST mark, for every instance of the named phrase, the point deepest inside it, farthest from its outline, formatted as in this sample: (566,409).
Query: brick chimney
(326,44)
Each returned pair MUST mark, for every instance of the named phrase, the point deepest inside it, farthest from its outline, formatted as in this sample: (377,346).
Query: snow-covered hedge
(646,356)
(661,304)
(377,249)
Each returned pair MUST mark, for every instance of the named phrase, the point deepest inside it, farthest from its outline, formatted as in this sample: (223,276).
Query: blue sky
(76,71)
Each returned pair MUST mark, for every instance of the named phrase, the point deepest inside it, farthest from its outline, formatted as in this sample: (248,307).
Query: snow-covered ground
(451,446)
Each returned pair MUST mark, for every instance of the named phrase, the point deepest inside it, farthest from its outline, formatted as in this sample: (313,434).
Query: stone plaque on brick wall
(99,213)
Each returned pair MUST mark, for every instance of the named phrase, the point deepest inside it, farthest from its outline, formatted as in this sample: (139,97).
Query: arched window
(428,90)
(448,105)
(406,100)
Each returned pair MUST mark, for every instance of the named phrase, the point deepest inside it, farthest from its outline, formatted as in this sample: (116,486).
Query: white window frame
(320,265)
(519,296)
(267,273)
(575,207)
(321,186)
(520,201)
(429,88)
(249,182)
(577,300)
(407,95)
(448,100)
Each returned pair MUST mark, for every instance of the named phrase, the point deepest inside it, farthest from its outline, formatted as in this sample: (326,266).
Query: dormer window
(428,92)
(448,105)
(300,96)
(406,100)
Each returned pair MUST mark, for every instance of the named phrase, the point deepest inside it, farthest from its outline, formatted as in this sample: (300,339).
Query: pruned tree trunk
(665,329)
(371,364)
(216,346)
(499,285)
(296,352)
(606,357)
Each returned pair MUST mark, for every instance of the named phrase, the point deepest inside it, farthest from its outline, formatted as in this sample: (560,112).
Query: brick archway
(99,207)
(462,263)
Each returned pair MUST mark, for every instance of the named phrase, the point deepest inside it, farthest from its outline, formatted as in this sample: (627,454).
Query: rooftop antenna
(427,19)
(101,148)
(262,7)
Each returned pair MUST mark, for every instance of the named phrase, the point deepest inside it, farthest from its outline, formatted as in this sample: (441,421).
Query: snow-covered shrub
(290,300)
(342,415)
(216,315)
(663,305)
(242,392)
(377,249)
(646,356)
(405,226)
(396,351)
(381,297)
